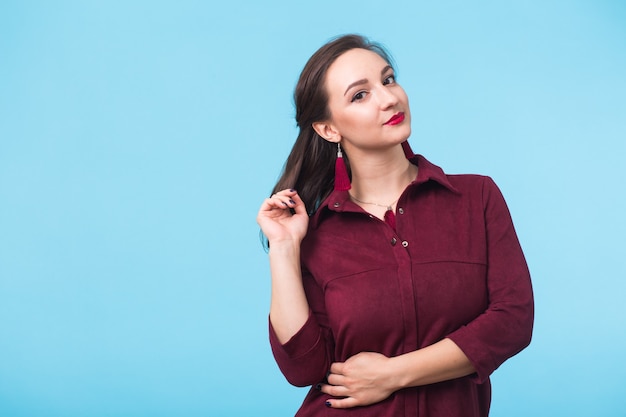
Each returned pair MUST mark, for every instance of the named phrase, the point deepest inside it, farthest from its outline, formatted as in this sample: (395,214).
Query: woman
(396,289)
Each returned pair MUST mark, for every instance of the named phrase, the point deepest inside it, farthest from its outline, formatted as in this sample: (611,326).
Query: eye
(390,79)
(358,96)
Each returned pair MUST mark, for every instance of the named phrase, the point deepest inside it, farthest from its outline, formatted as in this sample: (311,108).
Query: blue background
(138,139)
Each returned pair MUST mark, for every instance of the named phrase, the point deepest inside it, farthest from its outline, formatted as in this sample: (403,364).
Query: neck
(382,177)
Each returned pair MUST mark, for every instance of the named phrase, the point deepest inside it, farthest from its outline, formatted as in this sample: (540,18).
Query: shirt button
(393,241)
(336,205)
(401,210)
(405,243)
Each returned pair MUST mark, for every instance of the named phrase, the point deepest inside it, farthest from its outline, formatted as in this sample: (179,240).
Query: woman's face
(369,110)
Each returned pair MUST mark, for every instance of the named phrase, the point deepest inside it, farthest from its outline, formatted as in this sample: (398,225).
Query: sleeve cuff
(301,343)
(480,358)
(303,358)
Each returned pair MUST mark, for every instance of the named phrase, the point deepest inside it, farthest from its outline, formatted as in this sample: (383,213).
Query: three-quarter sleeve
(505,328)
(306,357)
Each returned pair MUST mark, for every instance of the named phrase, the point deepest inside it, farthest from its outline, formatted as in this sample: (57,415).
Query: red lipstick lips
(395,119)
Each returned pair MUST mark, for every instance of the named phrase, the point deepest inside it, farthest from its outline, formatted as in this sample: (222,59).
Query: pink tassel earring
(342,181)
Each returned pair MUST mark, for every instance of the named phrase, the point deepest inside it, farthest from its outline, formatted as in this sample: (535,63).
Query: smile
(395,119)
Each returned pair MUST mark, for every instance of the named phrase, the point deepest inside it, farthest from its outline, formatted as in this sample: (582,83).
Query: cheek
(355,119)
(404,98)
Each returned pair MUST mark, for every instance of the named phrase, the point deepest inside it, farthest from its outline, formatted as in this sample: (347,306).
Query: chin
(406,134)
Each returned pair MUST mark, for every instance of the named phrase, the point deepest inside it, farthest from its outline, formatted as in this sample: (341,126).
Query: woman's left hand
(363,379)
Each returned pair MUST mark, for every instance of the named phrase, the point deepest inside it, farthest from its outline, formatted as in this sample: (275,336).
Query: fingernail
(328,404)
(292,202)
(318,387)
(292,190)
(284,204)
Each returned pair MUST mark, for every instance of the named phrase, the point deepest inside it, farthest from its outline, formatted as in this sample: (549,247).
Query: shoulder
(471,181)
(459,183)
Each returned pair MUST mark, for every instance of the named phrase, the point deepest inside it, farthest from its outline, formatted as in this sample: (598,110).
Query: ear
(327,131)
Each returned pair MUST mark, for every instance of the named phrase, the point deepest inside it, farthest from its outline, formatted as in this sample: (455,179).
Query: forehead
(353,65)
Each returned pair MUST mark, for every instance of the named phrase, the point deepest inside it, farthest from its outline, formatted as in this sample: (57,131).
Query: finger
(337,368)
(334,390)
(336,379)
(299,206)
(282,201)
(270,204)
(348,402)
(285,193)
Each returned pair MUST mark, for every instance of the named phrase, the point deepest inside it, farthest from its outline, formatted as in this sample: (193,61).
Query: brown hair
(310,165)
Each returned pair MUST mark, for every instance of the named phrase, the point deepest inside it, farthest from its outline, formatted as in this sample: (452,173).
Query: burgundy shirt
(452,268)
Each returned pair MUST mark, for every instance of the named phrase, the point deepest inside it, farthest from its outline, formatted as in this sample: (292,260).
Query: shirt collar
(427,171)
(339,201)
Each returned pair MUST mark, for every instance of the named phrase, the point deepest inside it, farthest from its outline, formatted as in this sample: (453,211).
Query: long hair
(310,166)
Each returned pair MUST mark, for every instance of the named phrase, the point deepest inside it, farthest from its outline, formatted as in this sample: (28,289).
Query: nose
(386,97)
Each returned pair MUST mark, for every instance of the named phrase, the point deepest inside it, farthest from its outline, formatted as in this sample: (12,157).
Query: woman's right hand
(277,221)
(284,221)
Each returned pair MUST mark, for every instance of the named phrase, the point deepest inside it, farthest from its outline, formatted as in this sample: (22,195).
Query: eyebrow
(364,80)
